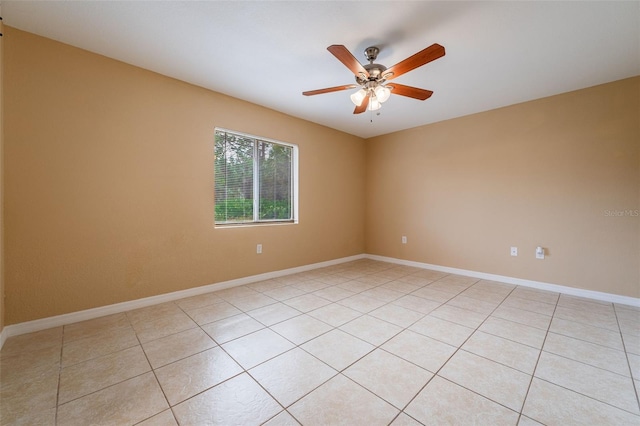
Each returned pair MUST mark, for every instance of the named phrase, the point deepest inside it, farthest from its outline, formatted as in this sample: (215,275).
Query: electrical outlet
(514,251)
(404,239)
(259,249)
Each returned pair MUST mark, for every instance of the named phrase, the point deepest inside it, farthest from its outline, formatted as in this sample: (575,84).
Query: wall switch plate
(259,248)
(404,240)
(539,252)
(514,251)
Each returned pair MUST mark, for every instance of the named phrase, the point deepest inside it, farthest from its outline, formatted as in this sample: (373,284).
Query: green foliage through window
(252,173)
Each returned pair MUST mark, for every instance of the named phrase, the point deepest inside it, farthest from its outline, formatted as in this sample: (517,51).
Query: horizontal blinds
(233,178)
(274,168)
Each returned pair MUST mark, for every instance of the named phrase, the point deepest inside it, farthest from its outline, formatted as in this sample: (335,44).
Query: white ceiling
(268,52)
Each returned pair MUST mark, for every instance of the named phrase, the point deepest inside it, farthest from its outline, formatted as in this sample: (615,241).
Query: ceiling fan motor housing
(375,70)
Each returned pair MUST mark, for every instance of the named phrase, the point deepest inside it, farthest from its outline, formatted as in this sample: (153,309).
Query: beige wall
(109,184)
(1,183)
(546,172)
(108,187)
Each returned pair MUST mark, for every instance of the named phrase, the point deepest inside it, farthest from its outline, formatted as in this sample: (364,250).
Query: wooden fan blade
(344,56)
(330,89)
(363,106)
(424,56)
(411,92)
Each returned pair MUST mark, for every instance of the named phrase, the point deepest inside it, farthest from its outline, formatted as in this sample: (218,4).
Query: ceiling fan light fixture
(382,93)
(374,104)
(358,97)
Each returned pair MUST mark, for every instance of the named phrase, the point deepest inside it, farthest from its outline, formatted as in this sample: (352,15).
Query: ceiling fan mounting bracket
(371,53)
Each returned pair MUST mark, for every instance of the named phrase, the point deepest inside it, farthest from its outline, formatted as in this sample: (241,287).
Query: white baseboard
(3,336)
(56,321)
(73,317)
(573,291)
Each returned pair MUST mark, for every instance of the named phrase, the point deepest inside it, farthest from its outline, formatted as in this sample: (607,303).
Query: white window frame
(256,184)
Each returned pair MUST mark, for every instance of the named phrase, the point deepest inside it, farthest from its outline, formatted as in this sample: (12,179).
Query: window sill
(253,224)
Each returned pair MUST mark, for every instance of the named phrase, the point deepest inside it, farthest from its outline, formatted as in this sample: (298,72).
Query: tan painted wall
(108,187)
(550,172)
(109,184)
(1,183)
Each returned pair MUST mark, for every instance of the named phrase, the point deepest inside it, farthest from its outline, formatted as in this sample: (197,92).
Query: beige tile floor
(362,343)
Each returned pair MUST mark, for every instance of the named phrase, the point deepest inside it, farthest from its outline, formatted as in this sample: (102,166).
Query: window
(255,179)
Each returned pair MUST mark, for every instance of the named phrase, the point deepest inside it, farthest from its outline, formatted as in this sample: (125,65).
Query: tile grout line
(590,342)
(589,397)
(458,348)
(341,372)
(447,360)
(114,384)
(533,373)
(296,346)
(478,330)
(338,372)
(221,348)
(106,387)
(626,354)
(171,407)
(590,365)
(59,376)
(153,370)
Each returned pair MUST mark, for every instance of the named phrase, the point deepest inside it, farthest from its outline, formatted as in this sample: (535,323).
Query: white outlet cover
(514,251)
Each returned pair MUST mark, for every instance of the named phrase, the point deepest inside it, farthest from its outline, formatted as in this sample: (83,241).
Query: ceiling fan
(371,78)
